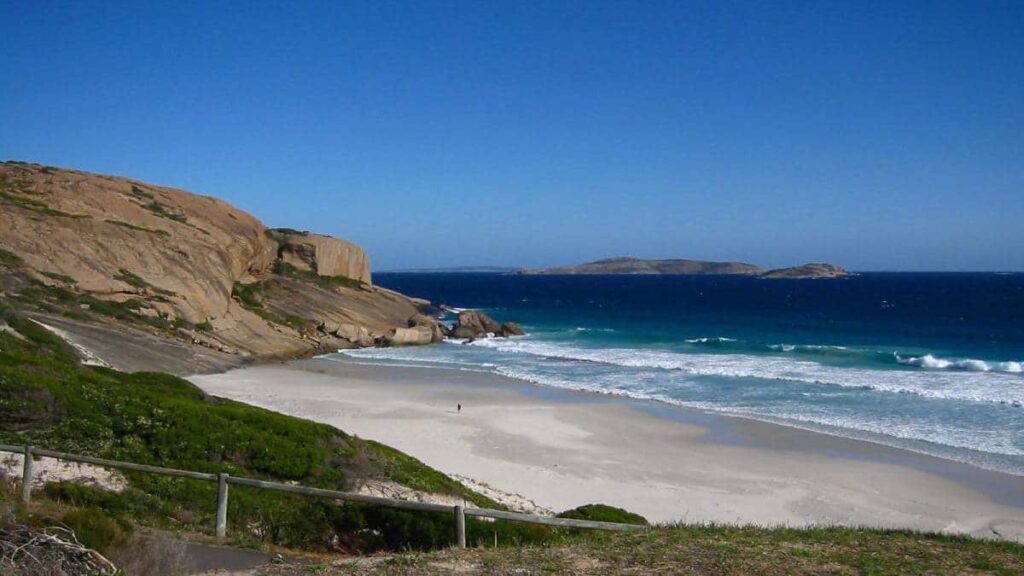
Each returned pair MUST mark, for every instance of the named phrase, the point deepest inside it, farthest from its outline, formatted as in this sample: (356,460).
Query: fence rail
(224,481)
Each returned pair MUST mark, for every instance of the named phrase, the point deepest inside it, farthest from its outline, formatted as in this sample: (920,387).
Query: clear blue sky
(879,135)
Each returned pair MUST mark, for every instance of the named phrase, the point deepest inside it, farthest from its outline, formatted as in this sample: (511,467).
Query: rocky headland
(155,278)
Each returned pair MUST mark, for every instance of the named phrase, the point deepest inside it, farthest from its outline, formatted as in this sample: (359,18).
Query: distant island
(628,265)
(457,270)
(817,270)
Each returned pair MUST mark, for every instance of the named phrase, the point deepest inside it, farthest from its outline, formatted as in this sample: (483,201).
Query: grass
(131,226)
(164,212)
(711,549)
(10,259)
(278,232)
(604,513)
(159,209)
(251,297)
(141,194)
(47,399)
(81,306)
(131,279)
(326,282)
(64,278)
(17,192)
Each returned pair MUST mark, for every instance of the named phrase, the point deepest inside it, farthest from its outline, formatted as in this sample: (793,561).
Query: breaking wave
(975,387)
(967,364)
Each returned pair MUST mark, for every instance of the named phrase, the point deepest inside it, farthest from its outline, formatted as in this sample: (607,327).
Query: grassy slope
(710,550)
(47,399)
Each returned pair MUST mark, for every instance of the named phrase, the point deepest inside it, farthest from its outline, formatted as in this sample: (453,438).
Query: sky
(877,135)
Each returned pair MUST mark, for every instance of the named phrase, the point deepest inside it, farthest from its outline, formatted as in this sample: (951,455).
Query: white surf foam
(978,386)
(931,362)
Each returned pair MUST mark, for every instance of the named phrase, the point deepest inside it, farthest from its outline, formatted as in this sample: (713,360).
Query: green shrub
(131,226)
(140,193)
(17,192)
(159,419)
(95,529)
(131,279)
(283,268)
(10,259)
(59,277)
(604,513)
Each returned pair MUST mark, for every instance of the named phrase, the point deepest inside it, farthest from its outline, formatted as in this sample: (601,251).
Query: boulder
(474,324)
(328,326)
(437,334)
(463,332)
(416,336)
(357,335)
(511,329)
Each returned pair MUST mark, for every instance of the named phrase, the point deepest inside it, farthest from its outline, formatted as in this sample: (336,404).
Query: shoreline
(564,448)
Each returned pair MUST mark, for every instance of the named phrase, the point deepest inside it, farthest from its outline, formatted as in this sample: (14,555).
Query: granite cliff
(159,278)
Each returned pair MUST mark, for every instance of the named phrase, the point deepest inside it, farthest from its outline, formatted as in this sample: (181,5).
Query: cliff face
(324,255)
(103,232)
(85,249)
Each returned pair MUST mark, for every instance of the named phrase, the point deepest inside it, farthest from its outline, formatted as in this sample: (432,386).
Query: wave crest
(967,364)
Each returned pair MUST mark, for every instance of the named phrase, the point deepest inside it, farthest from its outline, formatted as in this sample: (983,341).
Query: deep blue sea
(928,362)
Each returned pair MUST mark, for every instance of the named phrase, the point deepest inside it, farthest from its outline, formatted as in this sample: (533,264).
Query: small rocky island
(682,267)
(807,272)
(629,265)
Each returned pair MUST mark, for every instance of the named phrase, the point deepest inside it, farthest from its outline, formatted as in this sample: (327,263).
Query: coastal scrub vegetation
(62,278)
(604,513)
(79,305)
(151,204)
(709,549)
(277,233)
(283,268)
(251,297)
(20,193)
(138,228)
(48,399)
(10,259)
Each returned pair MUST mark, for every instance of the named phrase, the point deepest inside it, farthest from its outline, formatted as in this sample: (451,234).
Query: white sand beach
(562,449)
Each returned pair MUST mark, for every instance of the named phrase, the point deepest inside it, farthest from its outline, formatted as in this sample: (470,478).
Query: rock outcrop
(184,268)
(324,255)
(415,336)
(474,324)
(437,331)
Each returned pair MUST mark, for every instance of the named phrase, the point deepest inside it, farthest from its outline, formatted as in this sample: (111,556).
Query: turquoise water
(927,362)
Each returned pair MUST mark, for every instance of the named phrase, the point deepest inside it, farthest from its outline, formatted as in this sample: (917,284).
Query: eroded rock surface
(184,268)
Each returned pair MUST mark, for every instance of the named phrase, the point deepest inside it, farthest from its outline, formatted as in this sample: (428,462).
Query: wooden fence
(224,481)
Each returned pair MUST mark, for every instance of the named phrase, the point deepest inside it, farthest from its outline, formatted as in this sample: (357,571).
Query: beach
(553,449)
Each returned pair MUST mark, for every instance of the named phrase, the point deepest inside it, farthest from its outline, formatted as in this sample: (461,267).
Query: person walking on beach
(459,408)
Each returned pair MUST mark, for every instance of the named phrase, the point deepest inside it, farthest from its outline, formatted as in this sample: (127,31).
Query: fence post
(460,526)
(26,475)
(222,505)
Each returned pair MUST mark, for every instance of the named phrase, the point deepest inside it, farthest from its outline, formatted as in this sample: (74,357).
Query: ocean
(930,362)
